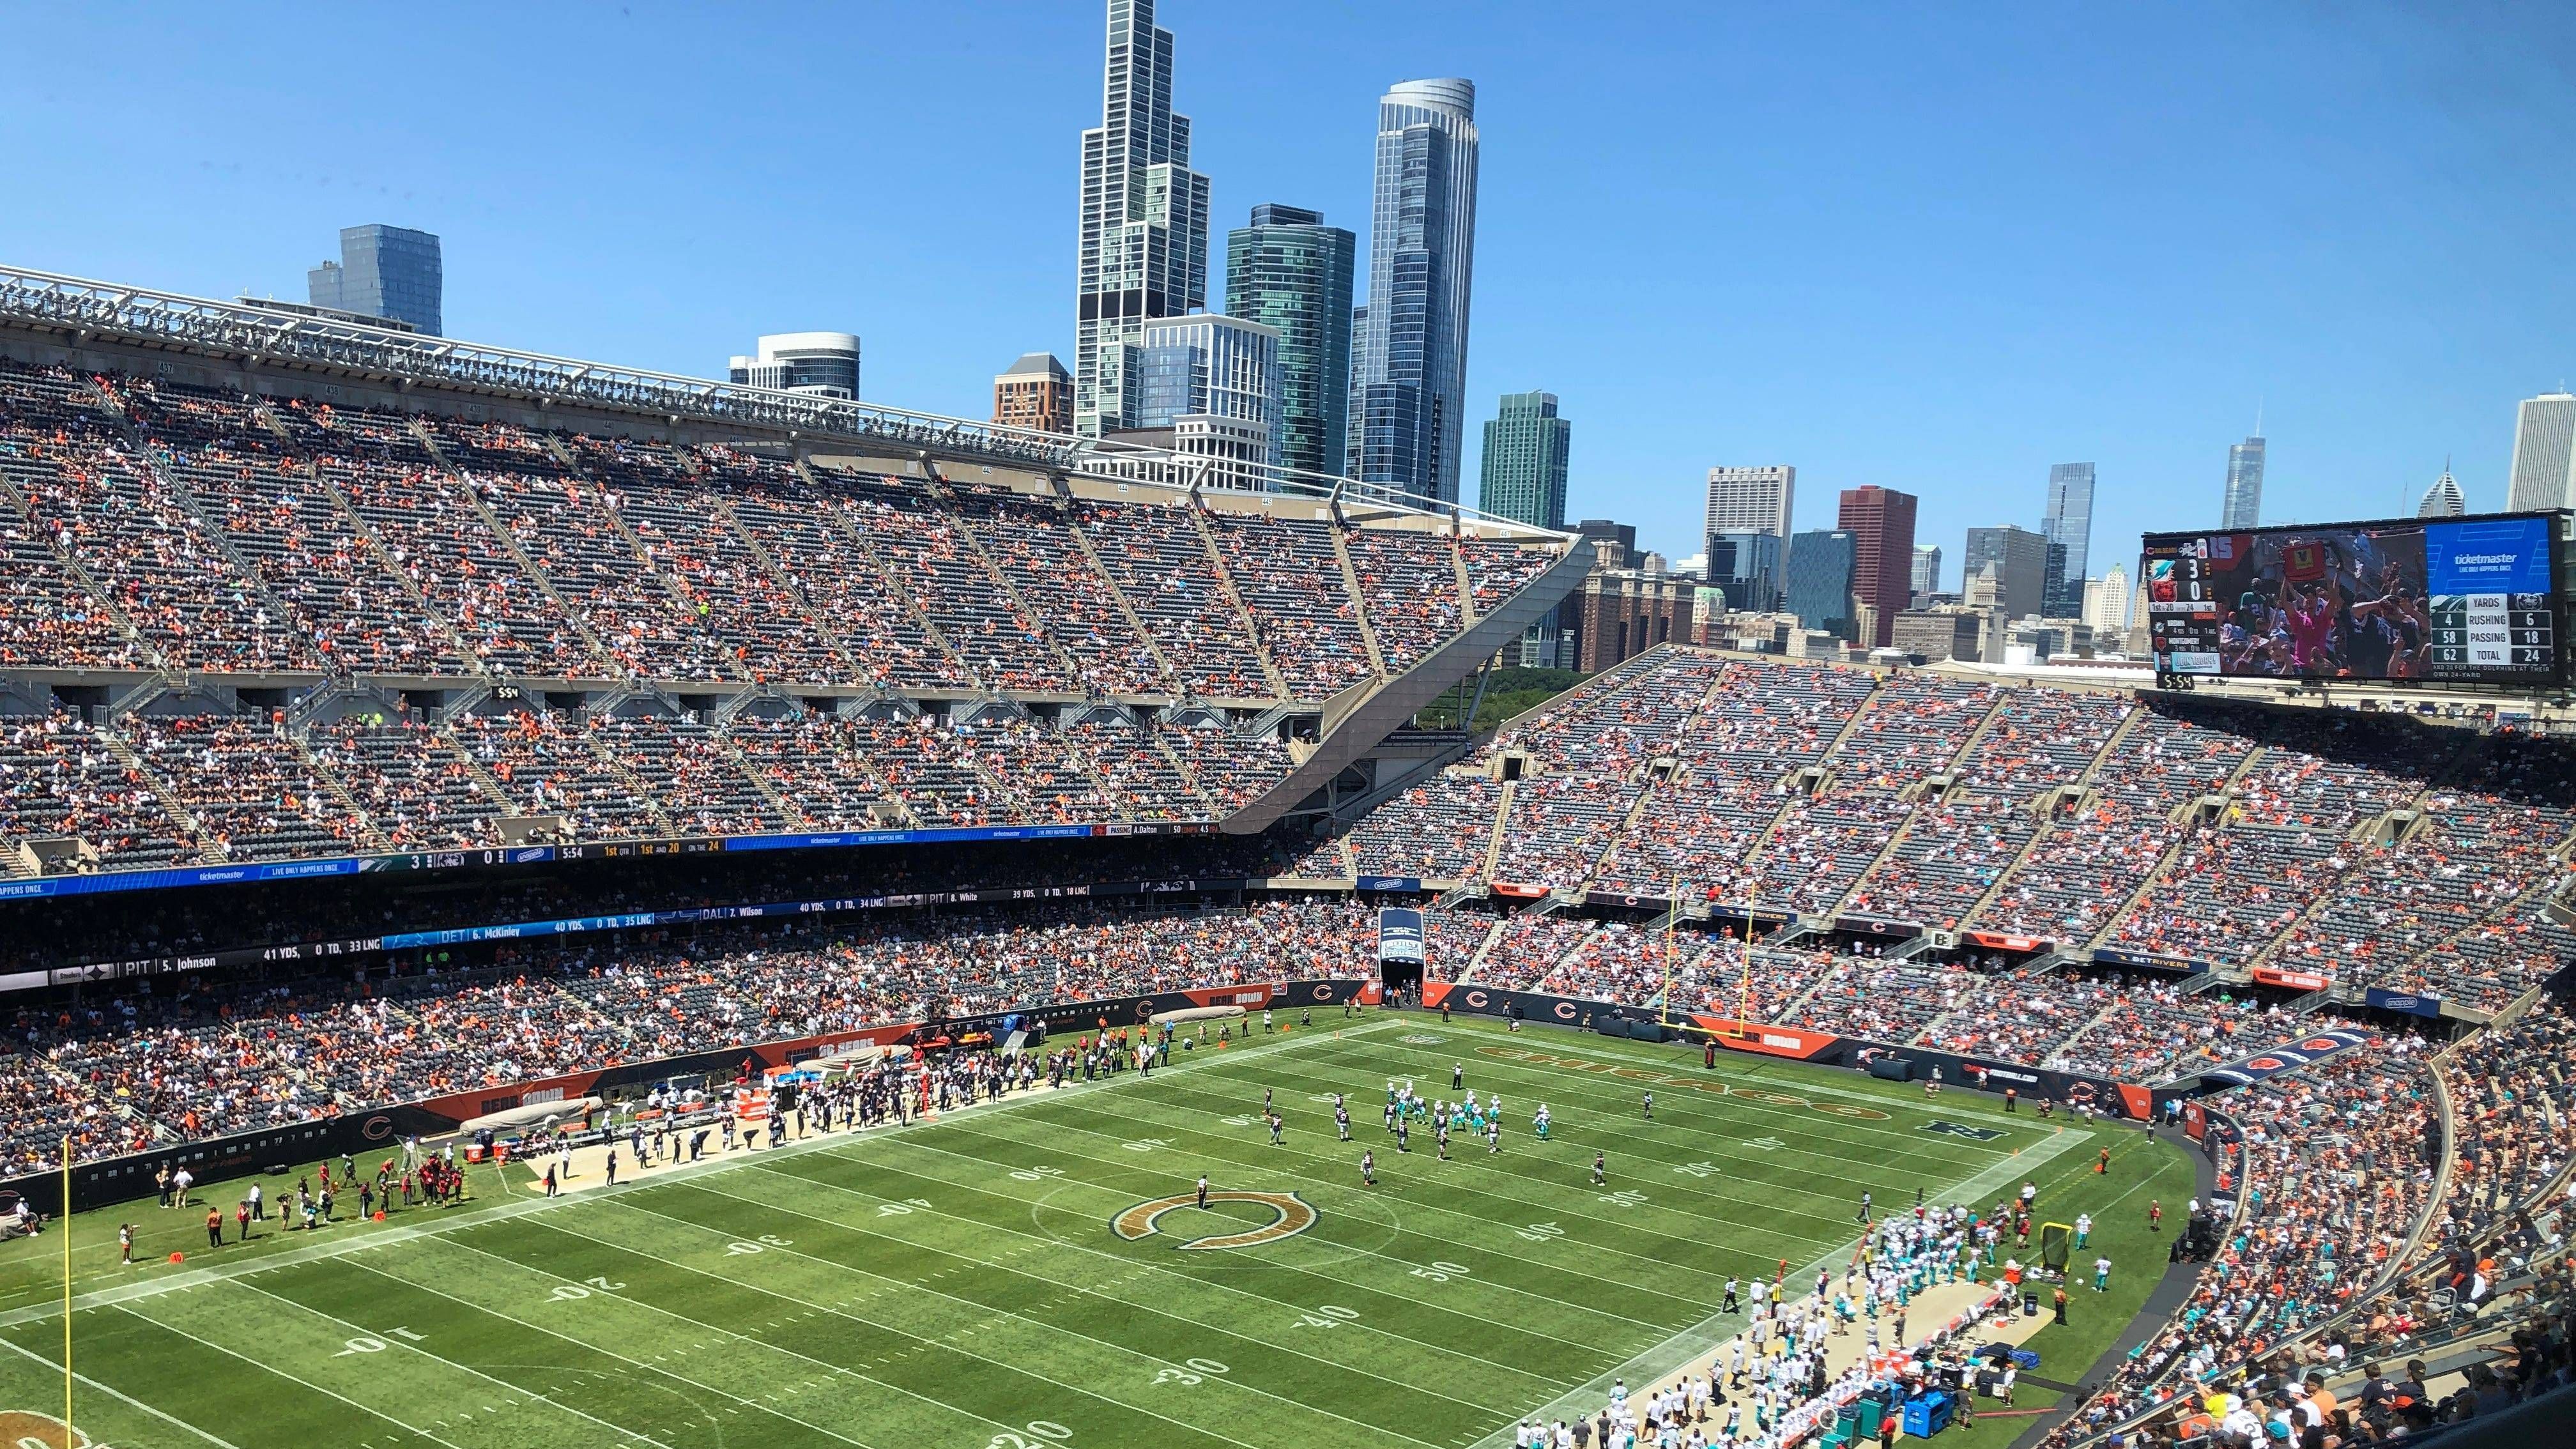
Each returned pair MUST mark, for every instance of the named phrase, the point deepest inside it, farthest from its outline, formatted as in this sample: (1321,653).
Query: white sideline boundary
(1684,1347)
(503,1211)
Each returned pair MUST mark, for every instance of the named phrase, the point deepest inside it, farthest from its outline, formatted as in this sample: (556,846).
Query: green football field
(998,1279)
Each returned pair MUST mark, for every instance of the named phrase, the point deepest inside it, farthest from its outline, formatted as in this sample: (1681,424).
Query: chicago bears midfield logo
(1291,1217)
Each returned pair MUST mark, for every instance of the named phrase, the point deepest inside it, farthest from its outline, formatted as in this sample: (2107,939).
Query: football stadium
(545,902)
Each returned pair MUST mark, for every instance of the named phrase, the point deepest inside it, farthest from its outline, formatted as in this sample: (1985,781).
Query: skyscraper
(1820,572)
(1290,272)
(823,364)
(2444,499)
(2019,559)
(1927,570)
(1144,219)
(1213,383)
(2544,453)
(1752,498)
(1881,523)
(2243,506)
(2069,521)
(1037,393)
(1744,565)
(384,271)
(1408,387)
(2106,607)
(1525,454)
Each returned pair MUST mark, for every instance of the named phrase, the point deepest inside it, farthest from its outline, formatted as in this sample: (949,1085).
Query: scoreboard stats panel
(2469,600)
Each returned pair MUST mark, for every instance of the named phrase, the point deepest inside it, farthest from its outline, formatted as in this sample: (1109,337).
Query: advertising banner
(2296,980)
(382,1130)
(2413,1004)
(1405,884)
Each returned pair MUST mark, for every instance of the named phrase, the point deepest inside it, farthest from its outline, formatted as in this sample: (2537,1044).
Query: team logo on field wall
(20,1429)
(1293,1217)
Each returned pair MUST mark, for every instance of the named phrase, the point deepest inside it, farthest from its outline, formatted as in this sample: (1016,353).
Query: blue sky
(1936,248)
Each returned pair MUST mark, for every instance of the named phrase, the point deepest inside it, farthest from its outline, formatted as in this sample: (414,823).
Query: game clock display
(2467,600)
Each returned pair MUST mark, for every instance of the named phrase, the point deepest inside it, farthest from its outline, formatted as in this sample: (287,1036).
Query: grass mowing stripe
(119,1395)
(1055,1245)
(1579,1086)
(1081,1339)
(271,1369)
(354,1293)
(1322,1283)
(924,1144)
(1687,1344)
(742,1312)
(1163,1182)
(999,1375)
(757,1370)
(1633,1232)
(1631,1149)
(400,1343)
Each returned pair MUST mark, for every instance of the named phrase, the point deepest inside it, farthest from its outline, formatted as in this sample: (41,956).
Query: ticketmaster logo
(2463,559)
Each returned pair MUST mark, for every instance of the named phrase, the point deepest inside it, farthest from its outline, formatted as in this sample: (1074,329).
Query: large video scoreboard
(2448,600)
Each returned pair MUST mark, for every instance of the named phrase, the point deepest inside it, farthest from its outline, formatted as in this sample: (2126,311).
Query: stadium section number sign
(2463,601)
(1290,1216)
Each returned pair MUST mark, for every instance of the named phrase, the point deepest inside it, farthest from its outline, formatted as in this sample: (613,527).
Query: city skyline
(1878,329)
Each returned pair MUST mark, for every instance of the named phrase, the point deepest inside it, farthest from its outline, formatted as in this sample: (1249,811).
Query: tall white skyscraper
(2544,453)
(1211,366)
(1409,341)
(2106,606)
(2444,499)
(1759,498)
(2243,507)
(1144,219)
(1927,570)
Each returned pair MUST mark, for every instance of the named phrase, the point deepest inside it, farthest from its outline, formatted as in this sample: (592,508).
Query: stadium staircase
(1358,719)
(1359,602)
(888,581)
(1234,596)
(942,496)
(68,560)
(1925,793)
(2184,835)
(1118,596)
(2052,807)
(509,542)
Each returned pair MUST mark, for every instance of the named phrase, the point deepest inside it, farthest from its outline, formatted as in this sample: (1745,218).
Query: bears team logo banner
(2287,1057)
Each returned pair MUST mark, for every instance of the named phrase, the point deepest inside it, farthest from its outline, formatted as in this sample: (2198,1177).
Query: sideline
(1685,1347)
(493,1210)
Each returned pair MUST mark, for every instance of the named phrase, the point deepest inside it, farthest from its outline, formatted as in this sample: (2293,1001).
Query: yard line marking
(1517,1202)
(1659,1362)
(1099,1395)
(1061,1245)
(480,1211)
(825,1365)
(119,1395)
(1328,1280)
(612,1353)
(1587,1086)
(398,1342)
(1076,1292)
(1470,1157)
(281,1373)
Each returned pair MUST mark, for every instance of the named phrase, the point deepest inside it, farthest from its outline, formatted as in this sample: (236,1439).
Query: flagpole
(67,1290)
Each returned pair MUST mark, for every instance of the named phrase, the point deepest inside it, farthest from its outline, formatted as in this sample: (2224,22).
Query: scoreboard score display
(2451,600)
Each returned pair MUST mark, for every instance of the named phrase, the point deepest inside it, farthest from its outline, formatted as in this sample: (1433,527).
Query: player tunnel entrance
(1399,950)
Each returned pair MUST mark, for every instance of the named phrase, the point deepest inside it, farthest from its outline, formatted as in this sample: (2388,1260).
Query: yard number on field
(366,1343)
(1149,1144)
(1036,1174)
(1327,1315)
(1767,1144)
(1698,1169)
(1540,1232)
(767,1242)
(1192,1371)
(1442,1272)
(1041,1432)
(1625,1197)
(898,1209)
(567,1292)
